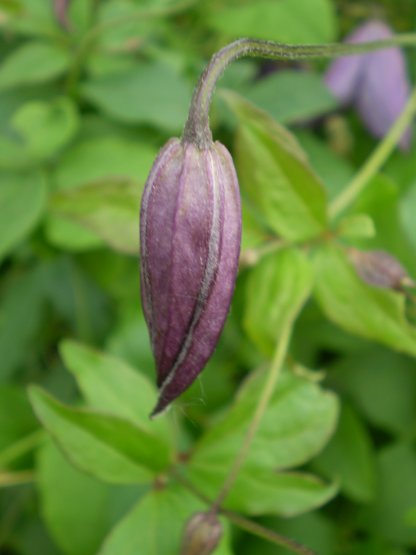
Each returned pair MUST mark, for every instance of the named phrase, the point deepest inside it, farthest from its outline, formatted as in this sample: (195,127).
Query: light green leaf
(370,312)
(356,226)
(109,208)
(304,21)
(22,201)
(274,172)
(155,525)
(276,290)
(349,457)
(151,93)
(110,448)
(93,161)
(85,511)
(291,96)
(298,422)
(45,127)
(111,385)
(34,62)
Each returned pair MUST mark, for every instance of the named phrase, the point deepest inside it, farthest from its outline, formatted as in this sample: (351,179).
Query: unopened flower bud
(203,533)
(379,268)
(190,234)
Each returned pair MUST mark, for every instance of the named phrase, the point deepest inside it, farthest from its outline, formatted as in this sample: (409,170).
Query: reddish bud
(379,268)
(190,233)
(202,534)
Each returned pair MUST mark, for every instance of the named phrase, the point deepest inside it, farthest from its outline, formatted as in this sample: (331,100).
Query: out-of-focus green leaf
(111,385)
(359,308)
(356,226)
(34,62)
(79,524)
(151,94)
(291,96)
(276,289)
(108,208)
(156,524)
(274,172)
(298,422)
(382,384)
(22,201)
(349,457)
(16,417)
(407,210)
(388,516)
(45,127)
(110,448)
(304,21)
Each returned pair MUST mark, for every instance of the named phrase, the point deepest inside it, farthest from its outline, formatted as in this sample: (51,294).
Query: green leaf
(45,127)
(304,21)
(356,226)
(276,290)
(275,174)
(259,491)
(291,96)
(349,457)
(407,208)
(298,422)
(93,161)
(34,62)
(370,312)
(155,525)
(109,208)
(388,516)
(111,385)
(151,94)
(86,510)
(14,402)
(22,201)
(110,448)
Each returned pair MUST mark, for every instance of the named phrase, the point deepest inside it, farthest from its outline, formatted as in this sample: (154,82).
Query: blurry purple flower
(190,232)
(376,83)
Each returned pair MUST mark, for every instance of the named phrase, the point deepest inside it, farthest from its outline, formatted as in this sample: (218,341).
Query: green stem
(95,32)
(21,447)
(269,387)
(376,160)
(197,128)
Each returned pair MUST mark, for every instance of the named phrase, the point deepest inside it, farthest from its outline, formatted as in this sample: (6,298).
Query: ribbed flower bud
(379,268)
(202,534)
(190,233)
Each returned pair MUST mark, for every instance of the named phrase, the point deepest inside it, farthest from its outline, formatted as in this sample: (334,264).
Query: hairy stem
(269,387)
(373,164)
(197,128)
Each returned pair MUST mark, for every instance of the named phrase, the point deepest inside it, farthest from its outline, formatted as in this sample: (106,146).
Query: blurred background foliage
(89,91)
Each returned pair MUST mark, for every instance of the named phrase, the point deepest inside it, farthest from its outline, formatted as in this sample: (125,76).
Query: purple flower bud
(190,234)
(376,82)
(202,534)
(379,268)
(61,12)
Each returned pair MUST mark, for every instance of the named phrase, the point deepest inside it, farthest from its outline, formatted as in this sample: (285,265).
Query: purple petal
(190,241)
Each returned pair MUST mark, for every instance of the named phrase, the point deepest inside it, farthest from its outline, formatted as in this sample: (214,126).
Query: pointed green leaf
(276,290)
(361,309)
(110,448)
(34,62)
(274,172)
(111,385)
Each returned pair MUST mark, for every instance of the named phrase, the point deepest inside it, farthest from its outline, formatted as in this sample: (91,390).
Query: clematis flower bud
(376,82)
(202,534)
(379,268)
(190,234)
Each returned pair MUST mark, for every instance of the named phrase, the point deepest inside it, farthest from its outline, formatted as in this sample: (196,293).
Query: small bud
(203,533)
(190,234)
(379,268)
(376,83)
(61,12)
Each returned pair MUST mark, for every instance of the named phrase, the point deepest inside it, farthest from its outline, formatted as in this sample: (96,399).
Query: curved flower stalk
(375,83)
